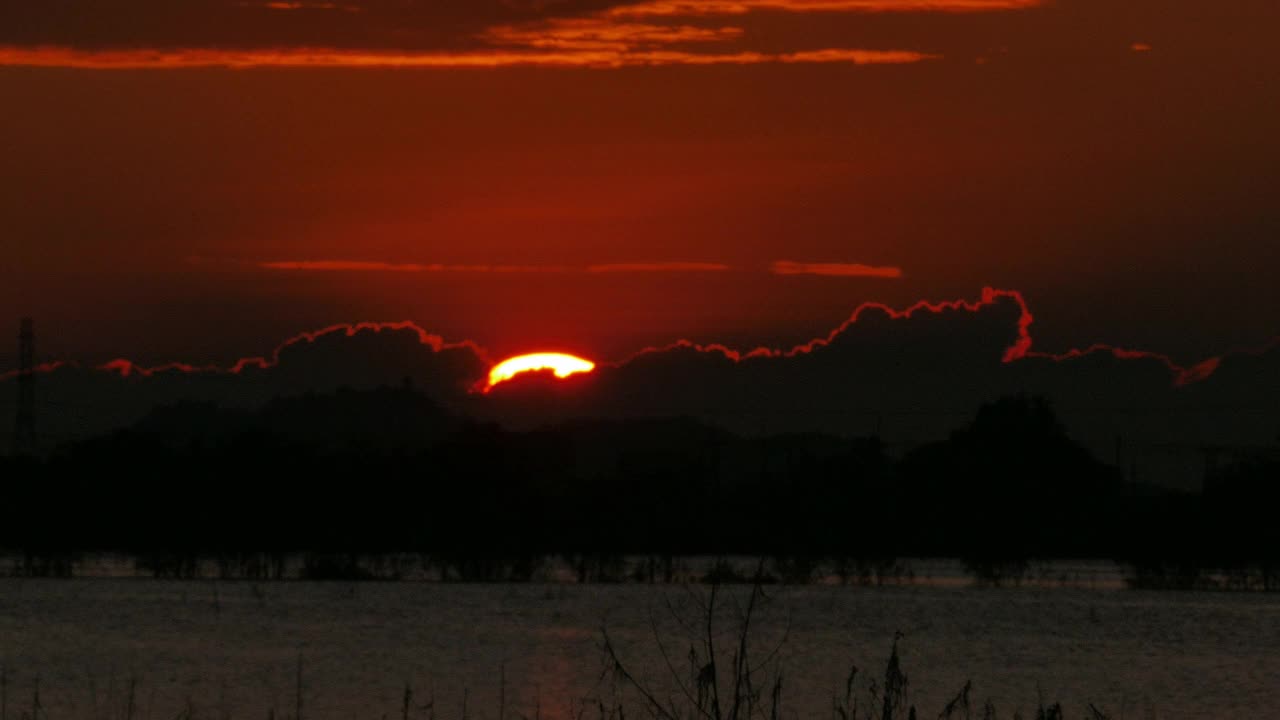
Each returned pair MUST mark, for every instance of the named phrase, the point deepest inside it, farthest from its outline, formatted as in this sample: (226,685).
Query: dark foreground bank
(366,474)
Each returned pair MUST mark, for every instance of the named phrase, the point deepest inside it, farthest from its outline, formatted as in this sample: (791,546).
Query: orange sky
(198,180)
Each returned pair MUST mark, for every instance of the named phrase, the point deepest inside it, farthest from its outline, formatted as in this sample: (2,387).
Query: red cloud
(40,369)
(669,8)
(1019,350)
(494,33)
(128,368)
(603,34)
(658,267)
(787,267)
(158,59)
(379,266)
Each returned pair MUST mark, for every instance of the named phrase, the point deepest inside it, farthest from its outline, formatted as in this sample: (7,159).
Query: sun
(561,364)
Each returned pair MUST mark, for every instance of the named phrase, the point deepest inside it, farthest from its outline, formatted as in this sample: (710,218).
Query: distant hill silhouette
(370,421)
(388,469)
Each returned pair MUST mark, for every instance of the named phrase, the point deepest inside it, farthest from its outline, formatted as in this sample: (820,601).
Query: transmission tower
(24,428)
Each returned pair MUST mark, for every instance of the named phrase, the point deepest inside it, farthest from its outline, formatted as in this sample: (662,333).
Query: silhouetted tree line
(358,473)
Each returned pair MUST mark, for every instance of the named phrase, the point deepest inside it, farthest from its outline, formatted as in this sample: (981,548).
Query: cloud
(597,34)
(127,368)
(780,267)
(1017,347)
(38,369)
(916,371)
(159,34)
(658,267)
(436,344)
(788,267)
(670,8)
(75,401)
(380,266)
(151,59)
(307,5)
(249,24)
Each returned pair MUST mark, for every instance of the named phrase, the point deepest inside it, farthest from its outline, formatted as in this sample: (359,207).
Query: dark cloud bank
(911,380)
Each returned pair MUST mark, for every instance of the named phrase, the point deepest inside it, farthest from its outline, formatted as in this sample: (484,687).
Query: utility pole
(24,427)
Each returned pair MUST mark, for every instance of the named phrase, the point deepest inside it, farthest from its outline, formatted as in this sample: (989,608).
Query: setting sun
(563,365)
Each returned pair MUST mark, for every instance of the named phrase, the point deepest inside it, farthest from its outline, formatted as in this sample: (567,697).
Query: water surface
(232,649)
